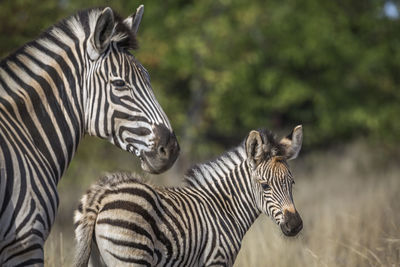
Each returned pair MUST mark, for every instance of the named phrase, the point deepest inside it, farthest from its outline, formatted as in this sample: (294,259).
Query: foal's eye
(265,186)
(118,83)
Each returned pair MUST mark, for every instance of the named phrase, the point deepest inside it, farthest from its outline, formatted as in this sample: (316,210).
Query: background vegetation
(221,68)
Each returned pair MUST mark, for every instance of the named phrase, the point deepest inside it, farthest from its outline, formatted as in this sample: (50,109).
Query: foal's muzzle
(292,223)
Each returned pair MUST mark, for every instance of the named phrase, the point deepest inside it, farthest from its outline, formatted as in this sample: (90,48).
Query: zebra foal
(199,224)
(78,77)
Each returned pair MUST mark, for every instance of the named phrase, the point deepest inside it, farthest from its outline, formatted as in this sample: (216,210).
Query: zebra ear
(292,143)
(103,32)
(254,148)
(133,21)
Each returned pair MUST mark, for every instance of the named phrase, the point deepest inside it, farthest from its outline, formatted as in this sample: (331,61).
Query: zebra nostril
(299,227)
(162,151)
(292,224)
(166,141)
(287,227)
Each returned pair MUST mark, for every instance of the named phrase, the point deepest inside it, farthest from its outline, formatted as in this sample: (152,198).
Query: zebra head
(272,179)
(121,106)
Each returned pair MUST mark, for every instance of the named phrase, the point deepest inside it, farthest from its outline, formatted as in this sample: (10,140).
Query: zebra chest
(30,201)
(221,253)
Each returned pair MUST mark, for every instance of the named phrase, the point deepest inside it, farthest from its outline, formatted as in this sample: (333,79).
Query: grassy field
(348,199)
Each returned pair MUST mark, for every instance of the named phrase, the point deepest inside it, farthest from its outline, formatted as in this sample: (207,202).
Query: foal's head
(272,179)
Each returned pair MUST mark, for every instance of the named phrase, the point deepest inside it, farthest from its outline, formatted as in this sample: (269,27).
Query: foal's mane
(233,157)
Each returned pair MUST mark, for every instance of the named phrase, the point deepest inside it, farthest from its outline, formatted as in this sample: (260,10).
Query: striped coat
(77,78)
(200,224)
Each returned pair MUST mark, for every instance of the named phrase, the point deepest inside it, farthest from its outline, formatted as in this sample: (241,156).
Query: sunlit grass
(350,219)
(348,200)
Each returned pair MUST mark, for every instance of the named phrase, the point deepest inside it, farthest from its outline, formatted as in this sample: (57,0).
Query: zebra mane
(222,164)
(232,158)
(78,27)
(86,19)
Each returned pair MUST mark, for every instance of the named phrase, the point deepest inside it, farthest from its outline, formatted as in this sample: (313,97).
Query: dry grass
(349,202)
(351,218)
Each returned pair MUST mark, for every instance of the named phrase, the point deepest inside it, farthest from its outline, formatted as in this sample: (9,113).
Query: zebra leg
(124,249)
(24,247)
(26,250)
(124,256)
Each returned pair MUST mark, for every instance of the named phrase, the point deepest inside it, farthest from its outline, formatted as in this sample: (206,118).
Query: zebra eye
(265,186)
(118,83)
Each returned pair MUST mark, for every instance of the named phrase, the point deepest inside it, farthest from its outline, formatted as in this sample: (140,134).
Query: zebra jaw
(132,150)
(143,162)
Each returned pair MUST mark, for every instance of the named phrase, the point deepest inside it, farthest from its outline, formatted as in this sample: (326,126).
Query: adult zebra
(201,224)
(78,77)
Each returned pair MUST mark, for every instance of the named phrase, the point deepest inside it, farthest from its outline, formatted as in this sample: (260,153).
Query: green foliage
(22,20)
(331,66)
(221,68)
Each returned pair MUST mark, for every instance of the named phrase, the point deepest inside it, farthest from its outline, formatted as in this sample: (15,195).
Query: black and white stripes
(199,224)
(78,77)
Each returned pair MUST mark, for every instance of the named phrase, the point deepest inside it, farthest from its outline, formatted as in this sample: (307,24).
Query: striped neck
(226,181)
(41,85)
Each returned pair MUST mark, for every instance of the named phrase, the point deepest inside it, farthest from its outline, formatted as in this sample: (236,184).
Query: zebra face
(122,107)
(139,125)
(272,179)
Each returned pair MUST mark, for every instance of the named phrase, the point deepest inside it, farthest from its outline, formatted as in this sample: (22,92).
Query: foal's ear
(133,21)
(103,32)
(254,148)
(292,143)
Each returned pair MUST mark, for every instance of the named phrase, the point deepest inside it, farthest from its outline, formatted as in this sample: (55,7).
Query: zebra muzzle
(292,223)
(164,153)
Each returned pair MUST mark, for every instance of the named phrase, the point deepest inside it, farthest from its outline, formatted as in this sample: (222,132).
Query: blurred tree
(22,21)
(220,68)
(329,65)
